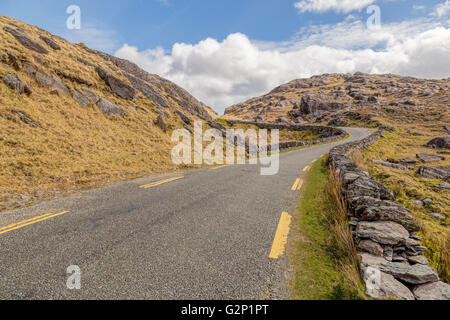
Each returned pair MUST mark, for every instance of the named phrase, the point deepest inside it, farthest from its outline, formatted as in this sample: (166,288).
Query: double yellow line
(297,185)
(158,183)
(28,222)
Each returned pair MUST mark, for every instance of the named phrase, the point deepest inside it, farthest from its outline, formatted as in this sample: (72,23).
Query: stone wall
(328,134)
(392,257)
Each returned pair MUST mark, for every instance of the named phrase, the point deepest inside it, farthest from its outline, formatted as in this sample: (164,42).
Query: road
(206,235)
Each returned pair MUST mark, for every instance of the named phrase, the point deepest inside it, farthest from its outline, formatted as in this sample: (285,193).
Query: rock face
(26,41)
(15,82)
(383,232)
(382,285)
(440,143)
(314,104)
(434,173)
(109,108)
(415,274)
(51,43)
(432,291)
(119,87)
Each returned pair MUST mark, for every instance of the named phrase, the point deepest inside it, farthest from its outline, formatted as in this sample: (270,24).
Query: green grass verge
(318,274)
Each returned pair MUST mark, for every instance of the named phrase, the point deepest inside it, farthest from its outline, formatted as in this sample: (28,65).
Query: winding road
(205,234)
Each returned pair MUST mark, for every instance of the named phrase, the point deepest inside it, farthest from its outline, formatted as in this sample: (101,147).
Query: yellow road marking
(300,184)
(280,240)
(31,221)
(158,183)
(220,167)
(294,187)
(306,168)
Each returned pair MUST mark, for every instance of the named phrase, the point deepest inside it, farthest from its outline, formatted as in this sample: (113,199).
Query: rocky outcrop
(26,41)
(161,123)
(50,42)
(118,86)
(392,259)
(440,143)
(434,173)
(15,82)
(80,99)
(108,108)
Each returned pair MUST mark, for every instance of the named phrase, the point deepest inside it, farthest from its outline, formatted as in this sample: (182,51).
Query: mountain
(350,99)
(72,117)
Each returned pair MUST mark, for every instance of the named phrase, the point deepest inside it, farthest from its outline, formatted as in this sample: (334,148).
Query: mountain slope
(72,117)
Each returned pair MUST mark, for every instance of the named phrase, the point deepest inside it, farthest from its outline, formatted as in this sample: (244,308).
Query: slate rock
(26,41)
(419,259)
(50,42)
(15,82)
(118,86)
(108,108)
(80,99)
(415,274)
(440,143)
(371,247)
(432,291)
(434,173)
(93,96)
(382,285)
(383,232)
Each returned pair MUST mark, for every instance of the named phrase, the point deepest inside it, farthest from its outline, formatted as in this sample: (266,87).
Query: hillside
(346,99)
(72,117)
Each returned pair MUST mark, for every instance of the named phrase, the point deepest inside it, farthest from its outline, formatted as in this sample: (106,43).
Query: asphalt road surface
(207,235)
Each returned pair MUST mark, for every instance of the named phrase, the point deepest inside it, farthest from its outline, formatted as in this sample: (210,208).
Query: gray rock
(391,165)
(383,232)
(438,216)
(448,129)
(364,186)
(50,42)
(59,85)
(160,122)
(371,247)
(15,82)
(25,40)
(432,291)
(426,157)
(369,260)
(428,202)
(382,285)
(418,260)
(408,161)
(416,203)
(184,117)
(443,186)
(43,79)
(371,209)
(118,86)
(434,173)
(80,99)
(94,97)
(415,274)
(440,143)
(109,108)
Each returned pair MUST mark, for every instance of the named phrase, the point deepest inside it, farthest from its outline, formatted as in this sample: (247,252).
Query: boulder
(80,99)
(314,105)
(440,143)
(160,122)
(383,232)
(371,247)
(371,209)
(434,173)
(438,216)
(382,285)
(50,42)
(432,291)
(26,41)
(415,274)
(108,108)
(426,157)
(118,86)
(15,82)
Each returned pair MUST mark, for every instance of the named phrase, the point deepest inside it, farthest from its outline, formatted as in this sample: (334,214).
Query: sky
(225,52)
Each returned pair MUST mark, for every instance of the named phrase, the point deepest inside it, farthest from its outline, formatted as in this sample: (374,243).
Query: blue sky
(227,51)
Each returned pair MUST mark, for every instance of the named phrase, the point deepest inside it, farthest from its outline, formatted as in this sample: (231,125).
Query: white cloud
(443,9)
(222,73)
(344,6)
